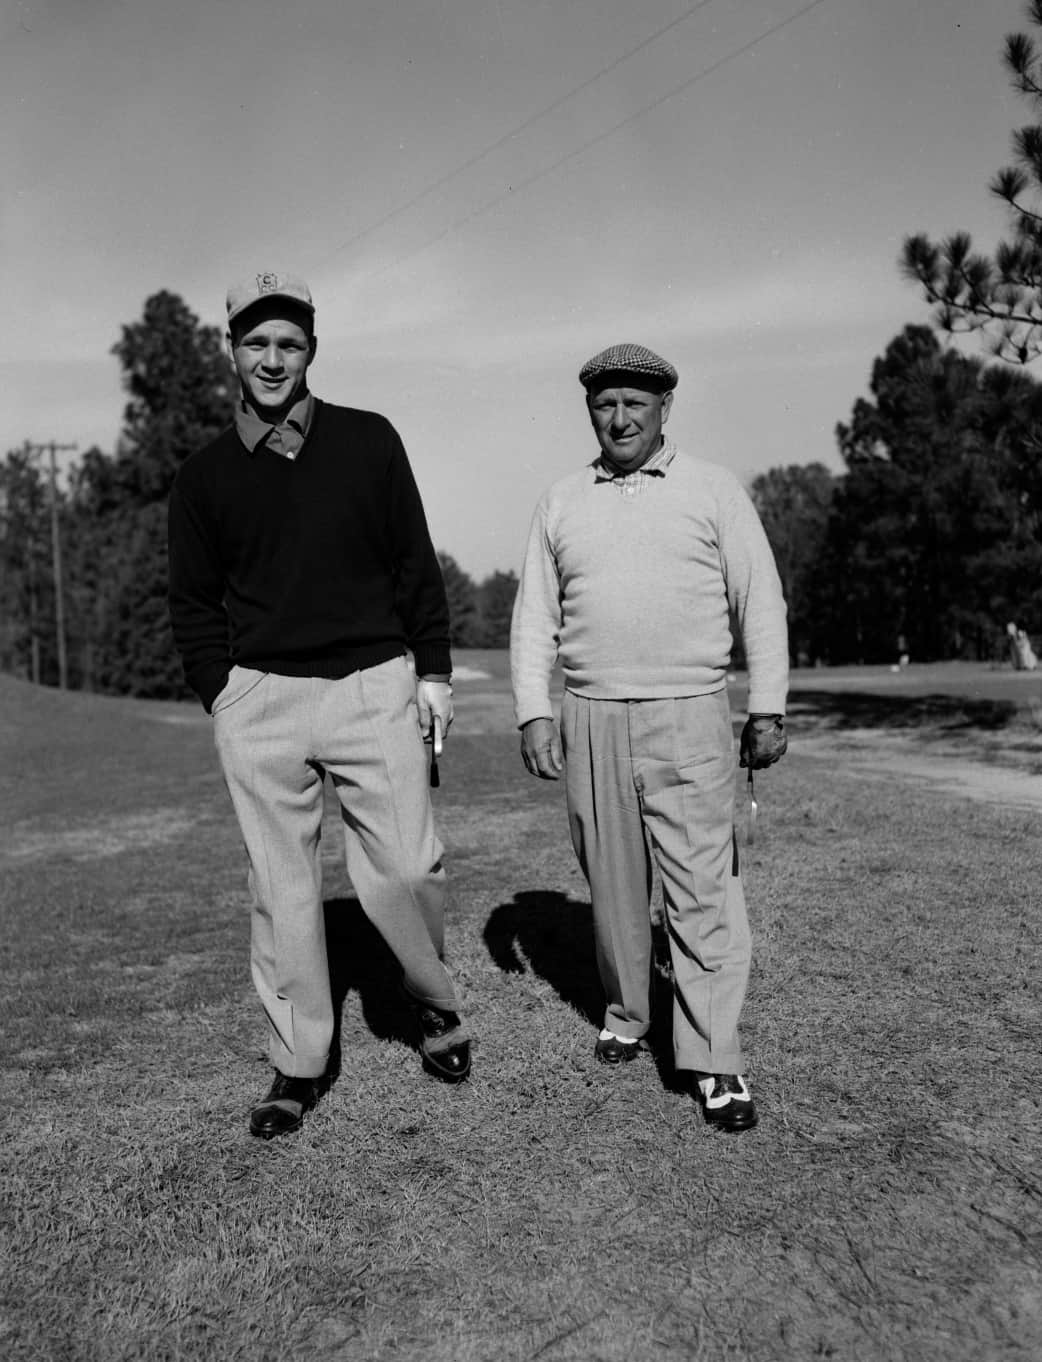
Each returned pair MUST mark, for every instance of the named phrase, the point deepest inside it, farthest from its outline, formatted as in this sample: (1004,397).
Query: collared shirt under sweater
(282,437)
(634,591)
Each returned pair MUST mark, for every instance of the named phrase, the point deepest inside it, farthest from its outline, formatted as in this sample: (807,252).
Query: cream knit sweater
(632,586)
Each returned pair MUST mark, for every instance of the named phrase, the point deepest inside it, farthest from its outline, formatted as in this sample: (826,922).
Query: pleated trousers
(277,736)
(654,781)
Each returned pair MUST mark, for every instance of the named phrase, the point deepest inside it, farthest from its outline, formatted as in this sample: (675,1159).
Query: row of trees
(111,522)
(930,541)
(479,611)
(111,518)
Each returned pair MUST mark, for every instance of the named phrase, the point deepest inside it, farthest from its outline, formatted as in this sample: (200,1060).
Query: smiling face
(628,423)
(271,351)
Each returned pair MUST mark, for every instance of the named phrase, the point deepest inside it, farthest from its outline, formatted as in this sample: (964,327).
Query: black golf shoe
(444,1056)
(612,1049)
(285,1106)
(726,1101)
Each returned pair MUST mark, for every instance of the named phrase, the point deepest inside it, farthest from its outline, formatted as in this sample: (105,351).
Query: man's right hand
(541,749)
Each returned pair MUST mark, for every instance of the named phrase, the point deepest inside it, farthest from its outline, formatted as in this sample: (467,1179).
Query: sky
(484,193)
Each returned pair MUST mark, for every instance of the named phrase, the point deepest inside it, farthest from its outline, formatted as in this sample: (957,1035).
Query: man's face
(271,354)
(628,423)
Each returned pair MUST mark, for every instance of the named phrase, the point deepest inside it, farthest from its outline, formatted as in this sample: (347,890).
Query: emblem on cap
(268,284)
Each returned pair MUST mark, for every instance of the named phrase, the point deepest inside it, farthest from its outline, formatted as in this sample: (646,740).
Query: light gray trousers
(276,735)
(656,779)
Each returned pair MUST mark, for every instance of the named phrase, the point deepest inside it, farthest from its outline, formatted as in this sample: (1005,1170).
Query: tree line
(110,517)
(930,541)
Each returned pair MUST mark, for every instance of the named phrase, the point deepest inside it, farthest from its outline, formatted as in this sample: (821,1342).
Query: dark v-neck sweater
(313,566)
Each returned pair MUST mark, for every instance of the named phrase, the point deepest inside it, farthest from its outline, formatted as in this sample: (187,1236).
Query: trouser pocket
(241,680)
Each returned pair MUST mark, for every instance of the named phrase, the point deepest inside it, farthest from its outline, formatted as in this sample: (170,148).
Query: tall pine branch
(998,296)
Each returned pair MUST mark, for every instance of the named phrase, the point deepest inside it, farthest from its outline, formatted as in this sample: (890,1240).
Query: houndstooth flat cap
(630,361)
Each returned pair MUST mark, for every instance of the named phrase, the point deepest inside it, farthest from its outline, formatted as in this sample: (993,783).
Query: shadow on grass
(856,709)
(552,935)
(361,961)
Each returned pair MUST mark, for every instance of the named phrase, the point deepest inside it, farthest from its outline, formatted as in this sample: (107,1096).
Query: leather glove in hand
(434,701)
(763,741)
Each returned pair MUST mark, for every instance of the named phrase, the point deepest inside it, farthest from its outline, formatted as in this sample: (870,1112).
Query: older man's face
(628,423)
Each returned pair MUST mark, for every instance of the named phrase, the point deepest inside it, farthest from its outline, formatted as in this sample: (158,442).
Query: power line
(593,141)
(514,132)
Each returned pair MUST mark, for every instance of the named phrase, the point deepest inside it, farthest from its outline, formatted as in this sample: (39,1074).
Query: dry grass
(889,1206)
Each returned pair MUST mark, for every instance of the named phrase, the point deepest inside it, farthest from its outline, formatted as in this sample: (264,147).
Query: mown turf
(888,1206)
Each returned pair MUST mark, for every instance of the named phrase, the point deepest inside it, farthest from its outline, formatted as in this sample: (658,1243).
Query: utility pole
(52,447)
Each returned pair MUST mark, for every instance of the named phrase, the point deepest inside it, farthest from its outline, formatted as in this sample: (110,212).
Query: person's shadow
(360,960)
(552,935)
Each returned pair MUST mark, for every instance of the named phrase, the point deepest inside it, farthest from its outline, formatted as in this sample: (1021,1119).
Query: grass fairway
(889,1205)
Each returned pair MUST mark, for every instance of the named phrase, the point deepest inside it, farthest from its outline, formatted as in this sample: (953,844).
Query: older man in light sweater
(635,566)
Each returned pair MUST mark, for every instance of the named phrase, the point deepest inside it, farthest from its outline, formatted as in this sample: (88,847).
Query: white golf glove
(434,701)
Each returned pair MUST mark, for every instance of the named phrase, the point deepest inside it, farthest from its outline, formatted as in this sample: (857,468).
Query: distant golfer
(301,572)
(633,565)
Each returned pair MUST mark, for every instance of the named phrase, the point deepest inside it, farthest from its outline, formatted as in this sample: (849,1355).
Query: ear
(229,346)
(667,406)
(312,348)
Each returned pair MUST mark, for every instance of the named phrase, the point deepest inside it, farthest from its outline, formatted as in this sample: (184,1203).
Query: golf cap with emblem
(268,284)
(636,363)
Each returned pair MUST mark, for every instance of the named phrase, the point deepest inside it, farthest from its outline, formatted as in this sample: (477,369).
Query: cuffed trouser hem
(622,1029)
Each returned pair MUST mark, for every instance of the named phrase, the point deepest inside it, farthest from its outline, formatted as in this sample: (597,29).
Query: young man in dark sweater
(301,574)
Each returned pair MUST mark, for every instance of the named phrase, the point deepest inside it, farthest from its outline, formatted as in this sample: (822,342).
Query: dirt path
(877,755)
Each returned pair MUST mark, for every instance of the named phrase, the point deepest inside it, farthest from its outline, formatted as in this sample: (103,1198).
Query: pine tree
(464,621)
(180,386)
(180,396)
(496,606)
(934,534)
(1000,295)
(26,582)
(793,503)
